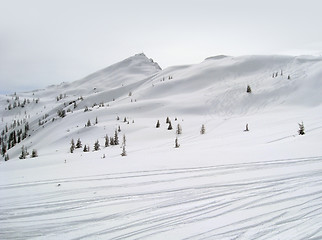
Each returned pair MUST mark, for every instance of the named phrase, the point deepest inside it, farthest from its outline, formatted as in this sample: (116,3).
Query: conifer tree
(34,153)
(249,90)
(170,126)
(176,143)
(72,146)
(106,141)
(301,129)
(158,124)
(203,129)
(112,141)
(85,148)
(179,129)
(6,158)
(23,153)
(116,138)
(78,143)
(167,120)
(123,154)
(119,129)
(96,120)
(96,146)
(88,123)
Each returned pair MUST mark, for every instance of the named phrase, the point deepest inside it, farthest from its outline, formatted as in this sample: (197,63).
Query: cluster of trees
(17,103)
(109,141)
(9,139)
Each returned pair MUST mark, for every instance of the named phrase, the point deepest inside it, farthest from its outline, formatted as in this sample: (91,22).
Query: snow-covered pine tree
(170,126)
(158,124)
(179,129)
(167,120)
(85,148)
(72,146)
(123,154)
(203,129)
(249,90)
(176,143)
(301,129)
(78,143)
(96,146)
(107,143)
(24,153)
(116,138)
(88,123)
(34,153)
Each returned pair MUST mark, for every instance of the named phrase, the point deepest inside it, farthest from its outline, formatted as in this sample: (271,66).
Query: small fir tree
(167,120)
(246,129)
(96,146)
(24,153)
(85,148)
(78,143)
(88,123)
(179,129)
(301,129)
(119,129)
(249,90)
(116,138)
(72,146)
(203,129)
(158,124)
(170,126)
(106,141)
(112,141)
(123,154)
(176,143)
(34,153)
(6,157)
(96,120)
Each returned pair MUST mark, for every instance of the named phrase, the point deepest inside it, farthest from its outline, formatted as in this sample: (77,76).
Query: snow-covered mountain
(228,183)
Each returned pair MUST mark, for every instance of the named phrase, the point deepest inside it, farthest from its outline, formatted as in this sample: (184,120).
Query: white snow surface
(226,184)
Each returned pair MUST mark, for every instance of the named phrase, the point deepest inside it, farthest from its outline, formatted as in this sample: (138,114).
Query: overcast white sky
(45,42)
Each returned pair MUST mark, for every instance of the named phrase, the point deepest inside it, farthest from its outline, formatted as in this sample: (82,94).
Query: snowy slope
(225,184)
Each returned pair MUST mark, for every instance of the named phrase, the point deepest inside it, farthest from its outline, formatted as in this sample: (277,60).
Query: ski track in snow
(260,200)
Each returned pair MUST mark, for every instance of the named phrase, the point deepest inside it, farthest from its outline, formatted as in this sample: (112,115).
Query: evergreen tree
(124,140)
(24,153)
(34,153)
(301,129)
(85,148)
(96,146)
(176,143)
(88,123)
(246,129)
(249,90)
(106,141)
(158,124)
(125,120)
(3,149)
(116,138)
(6,158)
(96,121)
(72,146)
(179,129)
(167,120)
(123,154)
(119,129)
(203,129)
(78,143)
(112,141)
(170,126)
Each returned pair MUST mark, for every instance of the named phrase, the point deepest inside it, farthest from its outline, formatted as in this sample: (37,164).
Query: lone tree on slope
(203,129)
(249,90)
(301,129)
